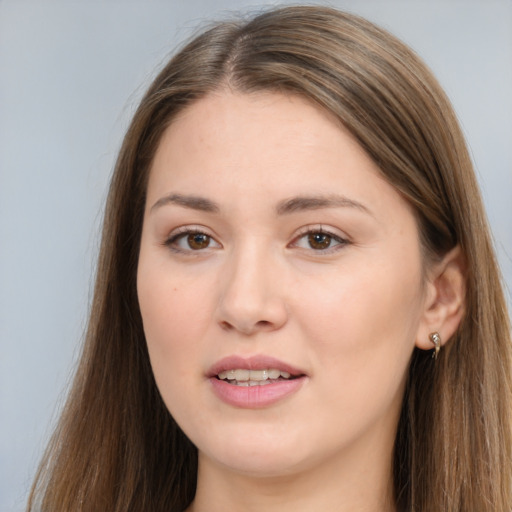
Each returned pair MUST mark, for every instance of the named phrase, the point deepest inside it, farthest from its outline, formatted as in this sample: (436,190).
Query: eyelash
(187,231)
(184,232)
(319,230)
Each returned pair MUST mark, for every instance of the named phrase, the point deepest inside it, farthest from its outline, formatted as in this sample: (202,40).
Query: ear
(444,299)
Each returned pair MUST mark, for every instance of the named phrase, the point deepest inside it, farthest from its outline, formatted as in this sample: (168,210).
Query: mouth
(244,377)
(254,382)
(256,368)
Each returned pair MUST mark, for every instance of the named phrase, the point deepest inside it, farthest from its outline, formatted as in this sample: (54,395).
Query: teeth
(250,383)
(258,375)
(274,374)
(253,377)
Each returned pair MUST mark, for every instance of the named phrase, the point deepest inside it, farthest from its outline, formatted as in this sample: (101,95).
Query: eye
(190,240)
(197,241)
(319,240)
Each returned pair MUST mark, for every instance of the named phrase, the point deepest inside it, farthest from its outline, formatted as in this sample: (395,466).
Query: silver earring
(435,338)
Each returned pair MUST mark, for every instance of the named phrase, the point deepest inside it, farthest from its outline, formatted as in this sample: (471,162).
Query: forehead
(265,139)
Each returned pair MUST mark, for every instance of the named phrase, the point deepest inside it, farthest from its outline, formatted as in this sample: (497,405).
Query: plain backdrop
(70,76)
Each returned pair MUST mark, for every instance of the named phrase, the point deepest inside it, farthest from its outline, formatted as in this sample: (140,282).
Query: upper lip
(256,362)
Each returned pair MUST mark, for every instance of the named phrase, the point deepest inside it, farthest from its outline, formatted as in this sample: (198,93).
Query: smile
(254,382)
(242,377)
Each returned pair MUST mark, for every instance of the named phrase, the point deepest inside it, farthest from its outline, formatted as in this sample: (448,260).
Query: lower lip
(255,397)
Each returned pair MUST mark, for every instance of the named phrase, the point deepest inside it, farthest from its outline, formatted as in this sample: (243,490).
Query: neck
(361,484)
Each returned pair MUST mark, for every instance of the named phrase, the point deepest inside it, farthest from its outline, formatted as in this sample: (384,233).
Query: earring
(435,338)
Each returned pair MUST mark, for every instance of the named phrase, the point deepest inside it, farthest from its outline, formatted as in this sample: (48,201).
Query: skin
(347,316)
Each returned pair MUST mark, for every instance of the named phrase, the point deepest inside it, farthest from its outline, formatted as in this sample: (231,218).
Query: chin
(257,455)
(266,465)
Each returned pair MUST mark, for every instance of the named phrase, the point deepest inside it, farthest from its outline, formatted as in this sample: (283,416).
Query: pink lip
(257,362)
(254,397)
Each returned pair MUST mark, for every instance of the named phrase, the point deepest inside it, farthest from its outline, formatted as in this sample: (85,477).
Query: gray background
(70,77)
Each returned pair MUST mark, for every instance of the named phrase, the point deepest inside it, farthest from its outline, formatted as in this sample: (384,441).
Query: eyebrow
(285,207)
(302,203)
(186,201)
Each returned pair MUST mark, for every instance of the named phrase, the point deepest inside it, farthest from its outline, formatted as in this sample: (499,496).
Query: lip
(254,397)
(256,362)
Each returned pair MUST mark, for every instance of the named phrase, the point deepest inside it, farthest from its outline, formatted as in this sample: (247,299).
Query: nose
(252,294)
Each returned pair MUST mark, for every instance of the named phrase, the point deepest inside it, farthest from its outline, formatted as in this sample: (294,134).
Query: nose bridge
(251,298)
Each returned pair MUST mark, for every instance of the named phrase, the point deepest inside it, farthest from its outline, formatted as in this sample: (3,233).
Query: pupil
(319,240)
(198,241)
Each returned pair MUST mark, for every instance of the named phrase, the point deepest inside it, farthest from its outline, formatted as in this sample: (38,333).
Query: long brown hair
(117,448)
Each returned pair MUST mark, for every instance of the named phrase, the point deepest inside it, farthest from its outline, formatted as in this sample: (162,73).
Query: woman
(297,303)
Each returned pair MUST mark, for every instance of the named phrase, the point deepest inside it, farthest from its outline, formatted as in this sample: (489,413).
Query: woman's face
(280,285)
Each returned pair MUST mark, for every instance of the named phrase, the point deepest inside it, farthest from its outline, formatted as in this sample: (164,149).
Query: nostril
(263,324)
(226,326)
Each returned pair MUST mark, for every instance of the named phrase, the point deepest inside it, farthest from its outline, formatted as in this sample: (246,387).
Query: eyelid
(181,231)
(342,239)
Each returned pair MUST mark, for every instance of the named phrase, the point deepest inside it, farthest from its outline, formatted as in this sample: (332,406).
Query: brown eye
(197,241)
(319,240)
(189,240)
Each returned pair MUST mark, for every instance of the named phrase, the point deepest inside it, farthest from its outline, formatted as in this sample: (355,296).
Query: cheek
(174,313)
(364,320)
(381,292)
(173,319)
